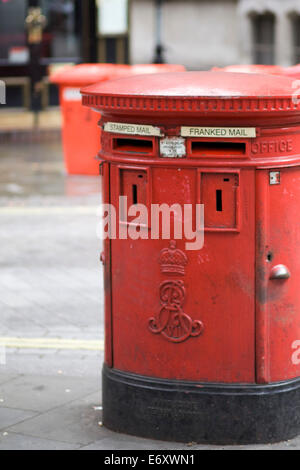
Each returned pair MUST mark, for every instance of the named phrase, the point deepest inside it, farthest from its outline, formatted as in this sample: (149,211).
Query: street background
(51,288)
(51,303)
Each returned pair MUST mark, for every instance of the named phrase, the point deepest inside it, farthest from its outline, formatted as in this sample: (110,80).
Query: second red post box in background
(79,138)
(80,133)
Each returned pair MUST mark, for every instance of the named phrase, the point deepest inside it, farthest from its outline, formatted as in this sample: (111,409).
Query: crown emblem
(172,260)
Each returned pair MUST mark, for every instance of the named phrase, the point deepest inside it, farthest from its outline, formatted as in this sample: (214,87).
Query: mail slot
(202,339)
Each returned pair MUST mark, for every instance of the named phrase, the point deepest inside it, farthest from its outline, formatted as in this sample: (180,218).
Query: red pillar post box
(202,341)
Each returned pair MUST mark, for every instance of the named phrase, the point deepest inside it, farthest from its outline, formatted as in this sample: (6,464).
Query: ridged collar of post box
(261,111)
(197,93)
(85,74)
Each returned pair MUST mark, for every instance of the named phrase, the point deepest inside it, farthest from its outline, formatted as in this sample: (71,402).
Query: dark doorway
(264,39)
(68,36)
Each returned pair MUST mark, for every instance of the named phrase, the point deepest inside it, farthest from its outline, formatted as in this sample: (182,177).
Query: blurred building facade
(269,31)
(197,33)
(204,33)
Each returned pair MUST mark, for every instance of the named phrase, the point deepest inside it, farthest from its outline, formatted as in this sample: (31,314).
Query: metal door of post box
(278,273)
(218,281)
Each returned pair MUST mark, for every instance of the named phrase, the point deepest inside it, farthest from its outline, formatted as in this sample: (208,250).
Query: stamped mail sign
(131,129)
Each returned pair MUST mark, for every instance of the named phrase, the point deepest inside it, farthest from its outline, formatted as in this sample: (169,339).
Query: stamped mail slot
(127,145)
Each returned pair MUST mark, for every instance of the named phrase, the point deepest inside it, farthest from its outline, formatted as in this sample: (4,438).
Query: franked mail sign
(219,132)
(132,129)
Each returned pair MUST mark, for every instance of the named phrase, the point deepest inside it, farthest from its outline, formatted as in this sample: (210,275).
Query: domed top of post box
(141,69)
(196,94)
(86,74)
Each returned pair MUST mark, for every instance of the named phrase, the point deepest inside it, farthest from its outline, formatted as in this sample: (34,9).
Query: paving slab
(10,416)
(6,377)
(14,441)
(115,441)
(13,119)
(42,393)
(83,365)
(75,423)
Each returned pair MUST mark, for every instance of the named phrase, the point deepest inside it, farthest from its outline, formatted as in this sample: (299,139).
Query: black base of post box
(180,411)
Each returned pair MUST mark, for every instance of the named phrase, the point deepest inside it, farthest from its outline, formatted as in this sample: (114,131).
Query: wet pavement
(51,309)
(35,172)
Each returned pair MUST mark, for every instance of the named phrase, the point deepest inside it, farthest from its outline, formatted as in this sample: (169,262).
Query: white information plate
(219,132)
(72,94)
(172,147)
(112,16)
(131,129)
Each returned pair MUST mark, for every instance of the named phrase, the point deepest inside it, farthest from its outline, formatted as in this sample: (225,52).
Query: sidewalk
(19,125)
(51,305)
(20,119)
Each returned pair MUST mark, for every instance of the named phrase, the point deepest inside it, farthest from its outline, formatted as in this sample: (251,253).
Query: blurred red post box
(251,68)
(141,69)
(80,133)
(203,345)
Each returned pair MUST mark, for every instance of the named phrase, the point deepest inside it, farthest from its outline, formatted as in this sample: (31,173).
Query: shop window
(263,38)
(62,35)
(12,32)
(296,38)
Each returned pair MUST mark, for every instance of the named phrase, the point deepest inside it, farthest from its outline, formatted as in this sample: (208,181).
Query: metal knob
(280,272)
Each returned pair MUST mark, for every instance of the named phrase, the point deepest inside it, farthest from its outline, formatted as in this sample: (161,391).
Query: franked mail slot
(217,149)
